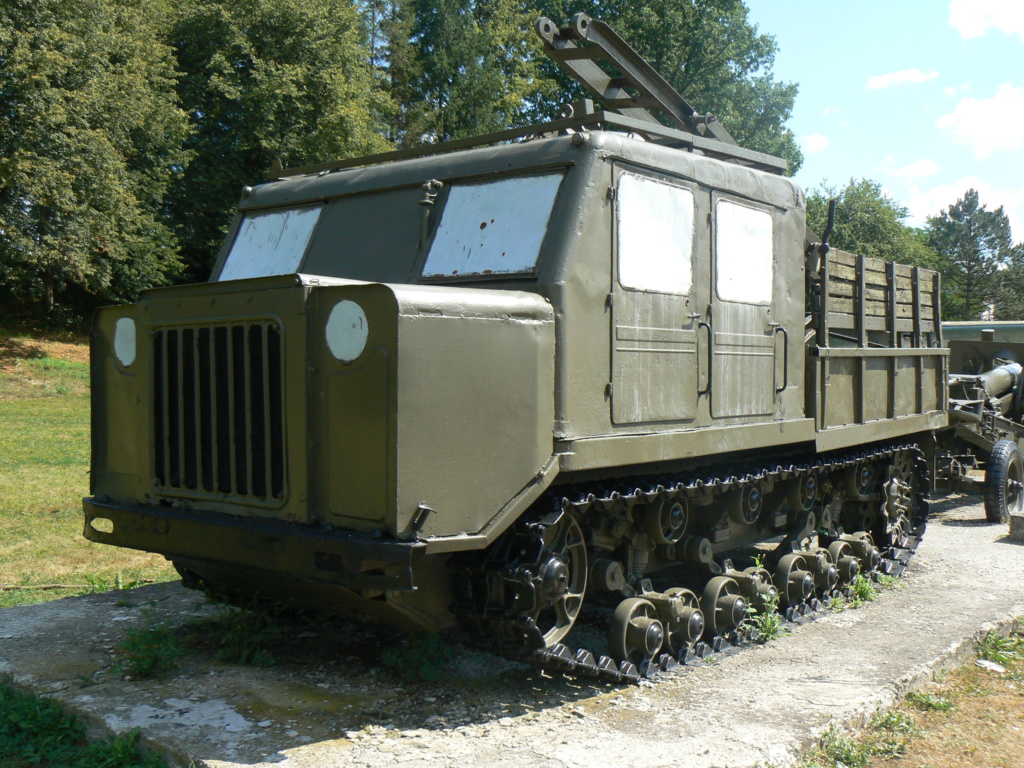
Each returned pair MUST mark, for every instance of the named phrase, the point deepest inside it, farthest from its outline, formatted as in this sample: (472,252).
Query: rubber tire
(1004,463)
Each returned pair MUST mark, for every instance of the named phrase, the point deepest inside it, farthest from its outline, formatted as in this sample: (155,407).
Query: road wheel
(1004,482)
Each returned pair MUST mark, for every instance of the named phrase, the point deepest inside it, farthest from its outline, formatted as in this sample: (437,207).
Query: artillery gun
(986,409)
(489,382)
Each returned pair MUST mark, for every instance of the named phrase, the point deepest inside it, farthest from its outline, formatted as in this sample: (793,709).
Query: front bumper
(354,561)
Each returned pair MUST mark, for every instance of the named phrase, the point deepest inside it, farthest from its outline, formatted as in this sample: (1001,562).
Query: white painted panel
(493,228)
(745,253)
(270,243)
(655,234)
(347,330)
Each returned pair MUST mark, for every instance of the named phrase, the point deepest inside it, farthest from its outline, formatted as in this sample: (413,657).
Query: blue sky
(925,97)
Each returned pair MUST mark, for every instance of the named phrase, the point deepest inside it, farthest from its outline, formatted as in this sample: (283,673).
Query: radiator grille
(218,423)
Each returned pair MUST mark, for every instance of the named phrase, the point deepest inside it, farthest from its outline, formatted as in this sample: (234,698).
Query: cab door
(744,330)
(654,375)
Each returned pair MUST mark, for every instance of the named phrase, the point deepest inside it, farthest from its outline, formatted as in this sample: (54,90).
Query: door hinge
(608,391)
(611,194)
(609,300)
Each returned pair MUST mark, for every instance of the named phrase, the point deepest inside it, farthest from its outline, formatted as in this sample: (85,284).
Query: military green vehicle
(486,383)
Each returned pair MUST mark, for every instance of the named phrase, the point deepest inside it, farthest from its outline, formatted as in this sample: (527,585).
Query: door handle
(711,349)
(776,330)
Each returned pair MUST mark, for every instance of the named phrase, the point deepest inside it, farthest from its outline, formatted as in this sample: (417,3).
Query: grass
(970,717)
(35,732)
(44,464)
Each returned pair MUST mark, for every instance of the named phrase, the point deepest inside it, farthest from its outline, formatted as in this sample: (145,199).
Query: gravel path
(327,700)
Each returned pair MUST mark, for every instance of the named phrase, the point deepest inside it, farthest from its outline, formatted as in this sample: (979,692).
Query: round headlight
(124,341)
(347,330)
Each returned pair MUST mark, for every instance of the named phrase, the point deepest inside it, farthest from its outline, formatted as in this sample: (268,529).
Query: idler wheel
(796,584)
(636,634)
(723,605)
(560,581)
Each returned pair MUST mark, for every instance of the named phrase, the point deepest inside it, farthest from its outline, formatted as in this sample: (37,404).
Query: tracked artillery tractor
(592,370)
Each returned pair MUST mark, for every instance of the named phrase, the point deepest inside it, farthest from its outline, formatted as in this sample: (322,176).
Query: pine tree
(972,243)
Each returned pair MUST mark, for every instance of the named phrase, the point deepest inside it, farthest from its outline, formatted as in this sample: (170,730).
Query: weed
(863,591)
(151,651)
(1001,650)
(929,702)
(419,656)
(889,582)
(893,721)
(243,635)
(36,732)
(768,622)
(837,604)
(842,749)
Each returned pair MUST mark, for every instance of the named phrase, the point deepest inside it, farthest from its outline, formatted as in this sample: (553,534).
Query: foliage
(265,80)
(863,591)
(868,222)
(929,702)
(92,138)
(843,749)
(973,244)
(245,635)
(888,582)
(711,53)
(419,656)
(766,622)
(150,651)
(35,731)
(995,647)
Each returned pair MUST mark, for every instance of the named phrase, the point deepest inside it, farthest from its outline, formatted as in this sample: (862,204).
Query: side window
(655,235)
(494,228)
(744,246)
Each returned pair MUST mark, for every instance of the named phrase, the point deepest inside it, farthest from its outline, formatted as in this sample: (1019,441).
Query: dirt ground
(332,695)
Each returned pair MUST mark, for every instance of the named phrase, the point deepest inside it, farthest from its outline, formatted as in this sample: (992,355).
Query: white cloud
(877,82)
(815,143)
(974,18)
(914,170)
(831,110)
(988,125)
(929,202)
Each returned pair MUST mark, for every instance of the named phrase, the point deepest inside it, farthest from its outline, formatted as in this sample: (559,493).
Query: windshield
(270,243)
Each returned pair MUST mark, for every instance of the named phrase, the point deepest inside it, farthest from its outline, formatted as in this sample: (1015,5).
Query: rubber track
(521,640)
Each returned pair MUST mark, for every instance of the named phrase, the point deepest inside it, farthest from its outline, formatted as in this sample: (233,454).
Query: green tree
(869,222)
(262,80)
(711,53)
(973,245)
(91,136)
(1009,293)
(476,67)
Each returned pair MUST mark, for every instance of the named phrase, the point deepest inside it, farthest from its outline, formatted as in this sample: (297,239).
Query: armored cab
(484,381)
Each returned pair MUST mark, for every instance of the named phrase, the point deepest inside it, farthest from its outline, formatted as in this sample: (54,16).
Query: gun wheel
(1004,482)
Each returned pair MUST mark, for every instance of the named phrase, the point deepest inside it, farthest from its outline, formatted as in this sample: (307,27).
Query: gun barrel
(1001,380)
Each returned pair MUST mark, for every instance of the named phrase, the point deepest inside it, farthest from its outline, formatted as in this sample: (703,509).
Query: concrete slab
(327,701)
